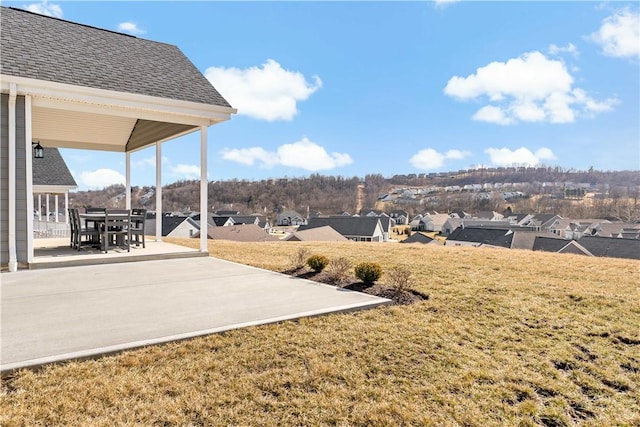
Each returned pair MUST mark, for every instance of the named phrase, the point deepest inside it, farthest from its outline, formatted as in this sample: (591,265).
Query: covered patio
(70,85)
(56,253)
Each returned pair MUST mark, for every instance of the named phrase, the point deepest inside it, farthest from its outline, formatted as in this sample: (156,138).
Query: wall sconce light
(38,151)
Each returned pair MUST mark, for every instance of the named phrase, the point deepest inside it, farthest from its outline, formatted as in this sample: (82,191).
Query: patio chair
(137,225)
(78,232)
(117,225)
(89,223)
(72,226)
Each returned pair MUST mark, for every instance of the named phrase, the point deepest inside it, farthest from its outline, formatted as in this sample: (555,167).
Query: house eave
(49,94)
(53,189)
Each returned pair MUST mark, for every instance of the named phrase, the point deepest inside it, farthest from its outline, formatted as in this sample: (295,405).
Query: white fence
(43,229)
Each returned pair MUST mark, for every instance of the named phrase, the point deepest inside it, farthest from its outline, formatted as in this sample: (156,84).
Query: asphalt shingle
(45,48)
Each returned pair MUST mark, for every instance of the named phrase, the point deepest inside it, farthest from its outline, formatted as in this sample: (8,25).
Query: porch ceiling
(98,131)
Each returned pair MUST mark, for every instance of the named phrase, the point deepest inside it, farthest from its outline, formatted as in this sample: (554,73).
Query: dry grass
(507,338)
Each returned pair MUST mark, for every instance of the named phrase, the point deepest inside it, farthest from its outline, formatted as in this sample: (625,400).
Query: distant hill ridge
(333,194)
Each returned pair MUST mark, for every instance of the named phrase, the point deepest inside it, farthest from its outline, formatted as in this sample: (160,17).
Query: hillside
(517,340)
(592,194)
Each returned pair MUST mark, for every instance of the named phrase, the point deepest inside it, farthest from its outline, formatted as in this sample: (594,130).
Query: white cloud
(492,114)
(100,178)
(619,35)
(520,156)
(303,154)
(531,88)
(45,8)
(558,50)
(443,3)
(267,93)
(149,162)
(251,156)
(429,159)
(185,171)
(130,28)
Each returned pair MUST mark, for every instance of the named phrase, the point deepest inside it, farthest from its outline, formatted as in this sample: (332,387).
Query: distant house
(592,246)
(173,226)
(612,247)
(229,220)
(613,229)
(318,234)
(290,217)
(401,217)
(51,176)
(359,229)
(499,237)
(489,215)
(433,222)
(459,214)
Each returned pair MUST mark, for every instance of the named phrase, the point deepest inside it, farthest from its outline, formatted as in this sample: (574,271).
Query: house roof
(169,223)
(526,239)
(52,170)
(486,236)
(612,247)
(417,238)
(46,48)
(346,225)
(98,89)
(318,234)
(220,220)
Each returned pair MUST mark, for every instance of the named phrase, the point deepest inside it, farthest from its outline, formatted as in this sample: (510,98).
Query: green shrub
(338,270)
(317,262)
(368,272)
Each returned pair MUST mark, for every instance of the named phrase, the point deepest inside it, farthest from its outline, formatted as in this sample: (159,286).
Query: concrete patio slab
(52,315)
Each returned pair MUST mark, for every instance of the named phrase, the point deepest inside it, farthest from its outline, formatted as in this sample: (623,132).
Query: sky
(357,87)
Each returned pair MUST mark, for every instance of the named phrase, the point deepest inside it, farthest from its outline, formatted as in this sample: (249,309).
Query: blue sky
(352,88)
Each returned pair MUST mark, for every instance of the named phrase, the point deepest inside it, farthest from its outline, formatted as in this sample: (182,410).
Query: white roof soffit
(86,118)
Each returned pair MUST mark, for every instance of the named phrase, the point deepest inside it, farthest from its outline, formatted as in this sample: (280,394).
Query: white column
(204,183)
(158,192)
(127,190)
(55,198)
(66,207)
(48,209)
(11,203)
(29,172)
(39,207)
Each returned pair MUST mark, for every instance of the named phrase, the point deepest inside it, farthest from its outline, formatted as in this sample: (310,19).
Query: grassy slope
(506,338)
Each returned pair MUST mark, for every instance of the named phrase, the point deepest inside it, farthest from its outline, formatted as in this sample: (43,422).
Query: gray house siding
(4,178)
(21,181)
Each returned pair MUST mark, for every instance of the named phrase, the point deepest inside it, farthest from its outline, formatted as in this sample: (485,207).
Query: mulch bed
(399,297)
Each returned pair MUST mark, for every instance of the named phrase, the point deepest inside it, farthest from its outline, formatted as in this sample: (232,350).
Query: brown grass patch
(506,338)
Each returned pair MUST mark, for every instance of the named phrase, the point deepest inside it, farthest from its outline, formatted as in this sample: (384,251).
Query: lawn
(506,337)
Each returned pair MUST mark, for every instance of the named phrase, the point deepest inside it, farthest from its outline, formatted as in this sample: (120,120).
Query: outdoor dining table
(100,217)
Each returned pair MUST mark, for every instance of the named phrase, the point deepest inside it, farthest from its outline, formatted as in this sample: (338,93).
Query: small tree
(299,259)
(317,262)
(368,272)
(338,270)
(400,279)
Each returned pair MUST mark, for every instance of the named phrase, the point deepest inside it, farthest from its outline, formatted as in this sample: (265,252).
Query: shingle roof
(45,48)
(52,170)
(417,238)
(318,234)
(345,225)
(488,236)
(612,247)
(549,244)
